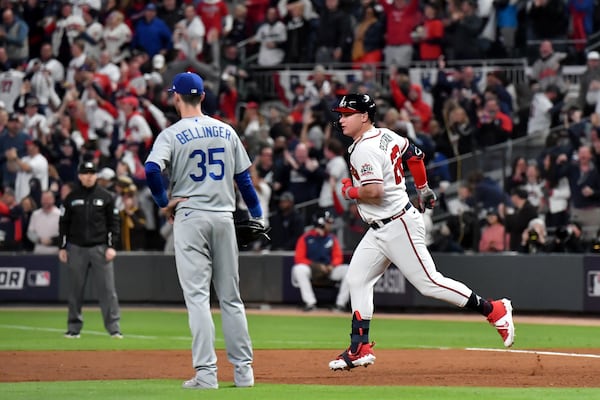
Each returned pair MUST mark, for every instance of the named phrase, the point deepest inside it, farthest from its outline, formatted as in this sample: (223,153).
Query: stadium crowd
(84,80)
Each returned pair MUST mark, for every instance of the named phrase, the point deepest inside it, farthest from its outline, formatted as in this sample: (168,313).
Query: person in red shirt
(215,17)
(408,96)
(430,35)
(402,16)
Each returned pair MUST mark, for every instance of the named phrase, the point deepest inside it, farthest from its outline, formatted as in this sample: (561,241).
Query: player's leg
(366,267)
(226,283)
(77,265)
(404,244)
(194,268)
(301,274)
(103,275)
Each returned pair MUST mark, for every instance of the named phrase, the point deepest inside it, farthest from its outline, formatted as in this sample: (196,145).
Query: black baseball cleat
(72,335)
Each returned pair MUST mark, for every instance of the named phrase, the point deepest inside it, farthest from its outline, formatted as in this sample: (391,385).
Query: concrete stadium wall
(537,283)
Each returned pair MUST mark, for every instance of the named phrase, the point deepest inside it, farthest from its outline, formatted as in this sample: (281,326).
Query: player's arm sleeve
(154,180)
(113,221)
(336,253)
(413,157)
(244,182)
(300,253)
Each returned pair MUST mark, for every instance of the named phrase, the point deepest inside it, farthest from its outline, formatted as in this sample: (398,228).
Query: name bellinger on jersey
(203,132)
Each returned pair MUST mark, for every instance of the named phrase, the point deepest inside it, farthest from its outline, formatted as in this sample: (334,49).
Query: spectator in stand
(64,32)
(318,257)
(581,23)
(547,20)
(107,67)
(242,28)
(116,36)
(91,32)
(495,85)
(368,83)
(298,33)
(334,34)
(547,70)
(534,187)
(188,34)
(33,165)
(77,60)
(485,193)
(462,31)
(216,18)
(568,238)
(133,221)
(407,95)
(271,35)
(368,37)
(336,169)
(33,14)
(257,9)
(12,138)
(151,34)
(430,35)
(304,175)
(46,62)
(43,226)
(13,35)
(312,132)
(287,225)
(493,125)
(171,13)
(493,234)
(517,177)
(318,87)
(35,124)
(11,228)
(401,16)
(534,238)
(591,73)
(134,127)
(507,22)
(544,107)
(584,180)
(517,222)
(556,191)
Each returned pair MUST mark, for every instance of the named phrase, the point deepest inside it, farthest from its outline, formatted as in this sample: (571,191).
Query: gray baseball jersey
(203,154)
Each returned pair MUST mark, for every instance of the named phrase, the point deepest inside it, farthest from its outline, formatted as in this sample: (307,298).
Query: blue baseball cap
(187,83)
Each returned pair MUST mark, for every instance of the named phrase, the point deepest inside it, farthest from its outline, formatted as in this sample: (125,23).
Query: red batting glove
(348,191)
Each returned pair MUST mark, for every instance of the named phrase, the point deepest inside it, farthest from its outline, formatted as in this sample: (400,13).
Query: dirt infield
(393,367)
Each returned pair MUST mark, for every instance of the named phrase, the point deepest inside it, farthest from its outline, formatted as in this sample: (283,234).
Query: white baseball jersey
(39,169)
(10,87)
(377,158)
(203,154)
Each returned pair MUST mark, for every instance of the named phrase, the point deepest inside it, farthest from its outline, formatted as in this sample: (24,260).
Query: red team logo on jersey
(354,173)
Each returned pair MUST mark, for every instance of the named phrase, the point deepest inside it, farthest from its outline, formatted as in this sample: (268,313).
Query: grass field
(167,329)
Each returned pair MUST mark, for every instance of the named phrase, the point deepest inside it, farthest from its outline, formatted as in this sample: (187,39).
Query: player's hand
(169,210)
(110,254)
(427,198)
(349,192)
(63,256)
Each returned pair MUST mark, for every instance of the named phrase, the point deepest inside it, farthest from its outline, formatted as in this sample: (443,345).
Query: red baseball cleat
(501,318)
(347,360)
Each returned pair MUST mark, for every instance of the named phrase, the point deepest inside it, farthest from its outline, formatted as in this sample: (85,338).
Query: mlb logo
(38,278)
(593,283)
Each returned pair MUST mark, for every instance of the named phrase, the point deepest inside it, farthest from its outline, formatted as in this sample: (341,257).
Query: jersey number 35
(215,165)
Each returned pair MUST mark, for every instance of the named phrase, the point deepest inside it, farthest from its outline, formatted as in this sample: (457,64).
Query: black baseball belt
(380,223)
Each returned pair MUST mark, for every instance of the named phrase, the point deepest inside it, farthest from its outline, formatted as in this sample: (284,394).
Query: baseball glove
(319,272)
(249,231)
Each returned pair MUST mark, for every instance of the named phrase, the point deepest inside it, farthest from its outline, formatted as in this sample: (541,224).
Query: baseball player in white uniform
(205,156)
(397,233)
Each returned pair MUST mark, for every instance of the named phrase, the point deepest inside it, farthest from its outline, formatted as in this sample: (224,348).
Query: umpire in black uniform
(89,229)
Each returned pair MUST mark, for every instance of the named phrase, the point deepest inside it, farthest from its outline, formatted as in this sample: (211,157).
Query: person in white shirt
(76,62)
(271,35)
(46,62)
(66,25)
(43,226)
(188,36)
(91,32)
(116,35)
(108,68)
(33,165)
(540,114)
(35,124)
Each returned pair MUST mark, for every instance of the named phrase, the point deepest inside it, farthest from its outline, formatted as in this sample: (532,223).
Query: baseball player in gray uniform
(204,157)
(397,230)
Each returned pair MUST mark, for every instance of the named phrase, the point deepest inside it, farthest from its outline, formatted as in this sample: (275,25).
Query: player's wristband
(353,192)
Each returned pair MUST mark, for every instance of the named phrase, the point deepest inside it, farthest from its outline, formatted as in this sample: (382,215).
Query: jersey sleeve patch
(366,170)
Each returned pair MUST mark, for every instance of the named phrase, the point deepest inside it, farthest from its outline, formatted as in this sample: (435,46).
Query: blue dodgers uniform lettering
(204,132)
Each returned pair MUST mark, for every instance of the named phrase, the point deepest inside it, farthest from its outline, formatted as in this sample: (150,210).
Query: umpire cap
(357,103)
